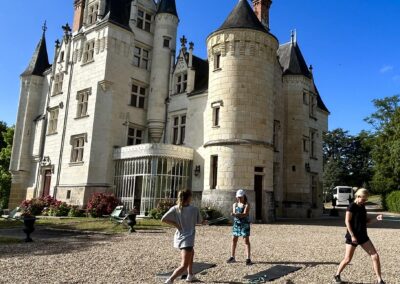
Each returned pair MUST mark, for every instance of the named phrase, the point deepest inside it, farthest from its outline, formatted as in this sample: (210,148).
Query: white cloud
(386,68)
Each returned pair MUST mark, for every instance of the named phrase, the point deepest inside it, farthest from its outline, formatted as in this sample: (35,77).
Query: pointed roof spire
(40,60)
(242,16)
(167,6)
(291,58)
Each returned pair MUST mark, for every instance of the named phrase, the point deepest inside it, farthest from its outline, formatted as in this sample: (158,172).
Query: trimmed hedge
(393,201)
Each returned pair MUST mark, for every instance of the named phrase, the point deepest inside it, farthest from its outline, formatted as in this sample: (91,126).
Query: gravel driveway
(315,246)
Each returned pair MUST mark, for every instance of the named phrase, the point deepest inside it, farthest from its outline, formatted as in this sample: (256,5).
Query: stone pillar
(165,30)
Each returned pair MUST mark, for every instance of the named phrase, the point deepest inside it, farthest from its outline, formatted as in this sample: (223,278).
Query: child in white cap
(241,225)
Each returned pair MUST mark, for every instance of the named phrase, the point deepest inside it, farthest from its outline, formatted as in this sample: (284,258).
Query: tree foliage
(6,140)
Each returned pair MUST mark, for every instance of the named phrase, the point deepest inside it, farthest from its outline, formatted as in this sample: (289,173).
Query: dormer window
(93,11)
(181,83)
(143,20)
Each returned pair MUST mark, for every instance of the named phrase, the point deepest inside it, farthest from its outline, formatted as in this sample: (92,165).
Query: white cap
(240,193)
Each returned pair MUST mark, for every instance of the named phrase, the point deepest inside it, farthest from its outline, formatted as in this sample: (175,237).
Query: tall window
(58,83)
(88,52)
(138,96)
(305,98)
(93,11)
(78,145)
(313,143)
(179,129)
(143,20)
(141,58)
(216,111)
(135,136)
(83,98)
(53,121)
(181,83)
(313,105)
(217,61)
(214,171)
(306,144)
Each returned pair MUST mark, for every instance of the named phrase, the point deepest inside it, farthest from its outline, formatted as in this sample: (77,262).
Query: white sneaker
(190,278)
(168,281)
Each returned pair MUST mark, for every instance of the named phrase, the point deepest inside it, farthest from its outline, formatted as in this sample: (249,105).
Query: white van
(343,195)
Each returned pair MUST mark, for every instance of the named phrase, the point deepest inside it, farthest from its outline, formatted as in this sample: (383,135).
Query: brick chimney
(79,6)
(261,9)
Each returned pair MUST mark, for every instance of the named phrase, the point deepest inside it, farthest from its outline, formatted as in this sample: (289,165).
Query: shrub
(393,201)
(162,208)
(35,206)
(102,204)
(59,209)
(209,213)
(74,211)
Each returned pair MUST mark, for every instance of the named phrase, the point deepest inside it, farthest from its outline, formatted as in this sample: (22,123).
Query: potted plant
(131,219)
(29,222)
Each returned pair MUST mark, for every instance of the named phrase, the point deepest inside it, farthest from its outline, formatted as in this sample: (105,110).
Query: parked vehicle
(344,195)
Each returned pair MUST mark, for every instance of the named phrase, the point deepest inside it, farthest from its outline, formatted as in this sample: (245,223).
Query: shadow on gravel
(49,242)
(307,264)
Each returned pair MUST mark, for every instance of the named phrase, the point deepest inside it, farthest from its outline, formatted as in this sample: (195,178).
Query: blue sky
(353,46)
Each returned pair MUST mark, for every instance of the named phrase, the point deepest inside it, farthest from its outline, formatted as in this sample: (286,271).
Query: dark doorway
(46,183)
(258,185)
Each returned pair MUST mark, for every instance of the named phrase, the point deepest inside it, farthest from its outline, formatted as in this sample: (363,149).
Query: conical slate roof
(118,12)
(167,6)
(39,61)
(242,16)
(292,61)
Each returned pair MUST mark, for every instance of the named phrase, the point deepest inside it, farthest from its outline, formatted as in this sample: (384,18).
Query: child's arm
(233,213)
(172,223)
(245,212)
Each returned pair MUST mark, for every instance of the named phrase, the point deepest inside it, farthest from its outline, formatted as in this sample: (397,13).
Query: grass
(7,240)
(86,224)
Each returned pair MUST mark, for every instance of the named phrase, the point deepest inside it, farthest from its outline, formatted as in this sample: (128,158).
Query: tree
(5,156)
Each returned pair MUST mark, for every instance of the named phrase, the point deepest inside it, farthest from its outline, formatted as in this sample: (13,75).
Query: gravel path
(317,247)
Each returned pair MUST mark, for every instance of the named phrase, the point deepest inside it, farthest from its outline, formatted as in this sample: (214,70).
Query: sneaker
(337,279)
(168,281)
(248,261)
(231,260)
(190,278)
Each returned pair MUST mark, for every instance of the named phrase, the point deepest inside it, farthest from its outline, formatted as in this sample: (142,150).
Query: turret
(32,80)
(166,24)
(242,58)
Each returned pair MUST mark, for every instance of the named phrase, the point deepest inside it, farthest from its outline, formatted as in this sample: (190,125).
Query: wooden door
(46,183)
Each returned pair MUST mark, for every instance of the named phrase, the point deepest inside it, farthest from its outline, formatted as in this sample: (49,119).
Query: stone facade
(247,117)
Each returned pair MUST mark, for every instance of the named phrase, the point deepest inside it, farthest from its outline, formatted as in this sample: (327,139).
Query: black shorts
(189,249)
(360,241)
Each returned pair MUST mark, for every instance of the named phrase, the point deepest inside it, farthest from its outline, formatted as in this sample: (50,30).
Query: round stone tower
(166,25)
(239,116)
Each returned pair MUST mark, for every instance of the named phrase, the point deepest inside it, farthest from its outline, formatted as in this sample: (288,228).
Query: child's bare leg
(247,244)
(234,245)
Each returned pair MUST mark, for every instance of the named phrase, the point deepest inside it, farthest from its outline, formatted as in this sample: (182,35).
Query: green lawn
(102,225)
(7,240)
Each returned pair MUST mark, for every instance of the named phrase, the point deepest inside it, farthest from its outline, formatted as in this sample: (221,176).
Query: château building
(122,109)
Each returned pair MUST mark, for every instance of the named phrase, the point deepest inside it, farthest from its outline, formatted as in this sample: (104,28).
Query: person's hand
(354,240)
(379,217)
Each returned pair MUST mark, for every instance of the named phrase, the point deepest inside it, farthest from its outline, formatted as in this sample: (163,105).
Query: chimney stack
(79,6)
(261,9)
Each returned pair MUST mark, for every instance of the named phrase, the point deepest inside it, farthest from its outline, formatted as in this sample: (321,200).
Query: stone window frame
(179,122)
(88,52)
(61,56)
(216,113)
(306,144)
(167,40)
(58,83)
(217,61)
(181,82)
(77,142)
(141,57)
(82,98)
(93,13)
(313,143)
(213,171)
(305,97)
(53,120)
(138,98)
(143,21)
(133,135)
(313,105)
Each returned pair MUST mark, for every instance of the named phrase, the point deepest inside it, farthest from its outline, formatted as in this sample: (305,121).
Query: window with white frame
(78,146)
(58,83)
(181,83)
(313,105)
(93,11)
(53,121)
(313,143)
(82,98)
(88,52)
(143,20)
(135,136)
(179,129)
(141,58)
(138,95)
